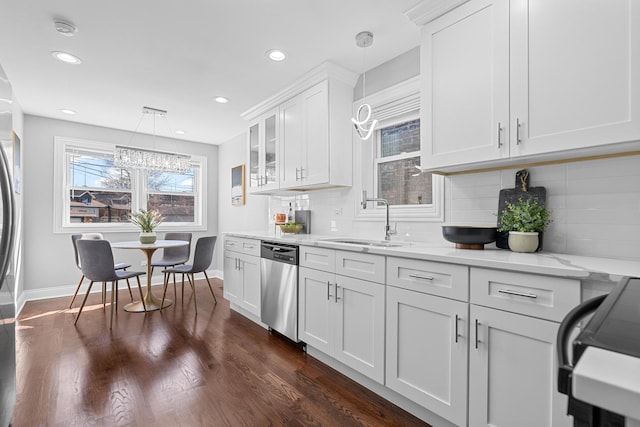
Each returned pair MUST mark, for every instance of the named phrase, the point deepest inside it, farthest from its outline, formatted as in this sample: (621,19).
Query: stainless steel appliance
(279,287)
(7,232)
(603,380)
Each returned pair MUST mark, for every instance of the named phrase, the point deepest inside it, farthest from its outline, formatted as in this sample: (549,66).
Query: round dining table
(150,302)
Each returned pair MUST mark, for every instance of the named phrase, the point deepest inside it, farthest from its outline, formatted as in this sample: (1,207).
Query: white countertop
(570,266)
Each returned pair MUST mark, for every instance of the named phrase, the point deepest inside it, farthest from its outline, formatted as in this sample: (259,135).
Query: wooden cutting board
(512,195)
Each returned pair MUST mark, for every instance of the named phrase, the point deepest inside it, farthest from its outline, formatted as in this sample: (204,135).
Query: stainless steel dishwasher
(279,287)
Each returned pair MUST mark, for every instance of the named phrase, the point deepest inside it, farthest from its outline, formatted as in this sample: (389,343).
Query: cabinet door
(575,74)
(255,171)
(232,277)
(427,342)
(360,326)
(512,371)
(465,89)
(315,135)
(250,296)
(316,308)
(290,142)
(270,141)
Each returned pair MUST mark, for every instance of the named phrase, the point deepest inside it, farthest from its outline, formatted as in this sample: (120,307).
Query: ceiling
(178,56)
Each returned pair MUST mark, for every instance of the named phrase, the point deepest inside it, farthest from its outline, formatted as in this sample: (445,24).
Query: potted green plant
(147,220)
(524,220)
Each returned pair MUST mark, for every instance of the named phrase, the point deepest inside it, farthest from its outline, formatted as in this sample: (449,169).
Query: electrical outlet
(337,212)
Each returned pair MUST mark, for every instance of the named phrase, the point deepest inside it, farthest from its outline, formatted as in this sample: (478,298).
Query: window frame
(61,212)
(394,105)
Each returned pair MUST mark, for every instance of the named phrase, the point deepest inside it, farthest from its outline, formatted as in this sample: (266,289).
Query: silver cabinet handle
(518,140)
(477,340)
(337,297)
(297,174)
(329,291)
(231,243)
(237,263)
(301,173)
(266,180)
(457,334)
(519,294)
(417,276)
(499,131)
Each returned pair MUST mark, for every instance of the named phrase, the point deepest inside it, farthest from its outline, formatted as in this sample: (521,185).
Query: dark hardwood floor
(177,369)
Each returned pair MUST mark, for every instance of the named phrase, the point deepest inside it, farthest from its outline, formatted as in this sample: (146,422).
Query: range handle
(565,369)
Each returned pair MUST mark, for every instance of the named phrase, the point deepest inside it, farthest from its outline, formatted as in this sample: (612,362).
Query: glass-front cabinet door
(263,153)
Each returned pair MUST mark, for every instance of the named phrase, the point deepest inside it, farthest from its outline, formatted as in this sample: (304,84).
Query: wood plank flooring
(177,369)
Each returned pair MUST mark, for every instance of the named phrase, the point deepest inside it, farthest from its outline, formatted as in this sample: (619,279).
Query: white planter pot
(148,237)
(523,242)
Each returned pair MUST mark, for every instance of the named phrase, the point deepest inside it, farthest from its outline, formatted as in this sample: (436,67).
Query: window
(390,161)
(97,195)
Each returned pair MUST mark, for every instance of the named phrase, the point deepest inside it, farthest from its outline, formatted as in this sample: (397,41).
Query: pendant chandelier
(153,160)
(364,128)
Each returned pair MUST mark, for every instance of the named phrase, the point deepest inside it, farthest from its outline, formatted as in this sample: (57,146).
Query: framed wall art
(237,185)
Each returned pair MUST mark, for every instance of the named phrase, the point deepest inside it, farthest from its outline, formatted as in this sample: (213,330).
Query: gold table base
(151,303)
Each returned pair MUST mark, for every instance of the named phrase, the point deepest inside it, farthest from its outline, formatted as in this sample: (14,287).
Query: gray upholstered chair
(96,261)
(202,258)
(174,256)
(120,266)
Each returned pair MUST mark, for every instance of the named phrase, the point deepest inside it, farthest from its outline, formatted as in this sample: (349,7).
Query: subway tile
(603,215)
(618,166)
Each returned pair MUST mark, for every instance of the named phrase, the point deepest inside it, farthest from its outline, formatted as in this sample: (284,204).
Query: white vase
(523,242)
(149,237)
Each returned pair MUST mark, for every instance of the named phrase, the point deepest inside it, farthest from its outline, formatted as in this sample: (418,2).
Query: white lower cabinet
(427,339)
(512,371)
(242,274)
(344,318)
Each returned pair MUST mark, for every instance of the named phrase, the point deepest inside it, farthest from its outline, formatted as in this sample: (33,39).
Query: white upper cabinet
(508,81)
(465,92)
(263,164)
(313,133)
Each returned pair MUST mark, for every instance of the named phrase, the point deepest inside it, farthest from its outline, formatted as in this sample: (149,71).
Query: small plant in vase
(147,220)
(524,220)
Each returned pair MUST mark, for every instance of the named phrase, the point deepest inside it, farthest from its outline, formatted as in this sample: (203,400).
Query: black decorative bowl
(469,237)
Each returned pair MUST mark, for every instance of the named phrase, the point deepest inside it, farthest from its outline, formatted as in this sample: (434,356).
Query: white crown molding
(326,70)
(428,10)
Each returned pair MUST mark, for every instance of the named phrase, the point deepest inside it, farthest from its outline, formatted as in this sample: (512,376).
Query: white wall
(252,216)
(49,264)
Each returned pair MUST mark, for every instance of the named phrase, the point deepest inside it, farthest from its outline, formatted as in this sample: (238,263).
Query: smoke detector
(364,39)
(65,28)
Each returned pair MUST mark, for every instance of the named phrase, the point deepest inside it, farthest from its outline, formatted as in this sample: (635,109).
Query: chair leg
(83,302)
(164,289)
(144,305)
(129,286)
(210,288)
(76,292)
(104,294)
(114,287)
(193,288)
(183,286)
(175,291)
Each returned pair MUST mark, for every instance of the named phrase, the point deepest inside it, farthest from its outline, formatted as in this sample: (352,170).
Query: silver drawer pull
(519,294)
(417,276)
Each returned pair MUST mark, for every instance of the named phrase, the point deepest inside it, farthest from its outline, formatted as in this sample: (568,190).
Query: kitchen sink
(364,242)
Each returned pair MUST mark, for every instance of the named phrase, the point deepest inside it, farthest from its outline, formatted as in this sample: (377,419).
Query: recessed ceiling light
(66,58)
(180,132)
(69,112)
(221,99)
(276,55)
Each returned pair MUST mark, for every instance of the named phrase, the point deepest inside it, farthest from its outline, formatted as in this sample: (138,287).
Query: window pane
(99,206)
(402,138)
(174,208)
(171,182)
(401,183)
(94,170)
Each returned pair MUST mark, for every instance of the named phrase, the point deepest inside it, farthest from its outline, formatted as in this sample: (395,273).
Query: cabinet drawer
(529,294)
(446,280)
(239,244)
(317,258)
(361,266)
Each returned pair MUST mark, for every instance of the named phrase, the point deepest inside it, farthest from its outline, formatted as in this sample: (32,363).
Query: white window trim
(390,106)
(61,223)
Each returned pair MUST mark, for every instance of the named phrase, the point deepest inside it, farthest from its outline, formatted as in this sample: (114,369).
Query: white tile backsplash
(595,207)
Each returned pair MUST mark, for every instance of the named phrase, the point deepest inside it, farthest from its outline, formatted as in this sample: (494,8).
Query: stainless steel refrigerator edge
(279,288)
(7,301)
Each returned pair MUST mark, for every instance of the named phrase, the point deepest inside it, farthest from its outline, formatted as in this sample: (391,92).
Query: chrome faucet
(388,232)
